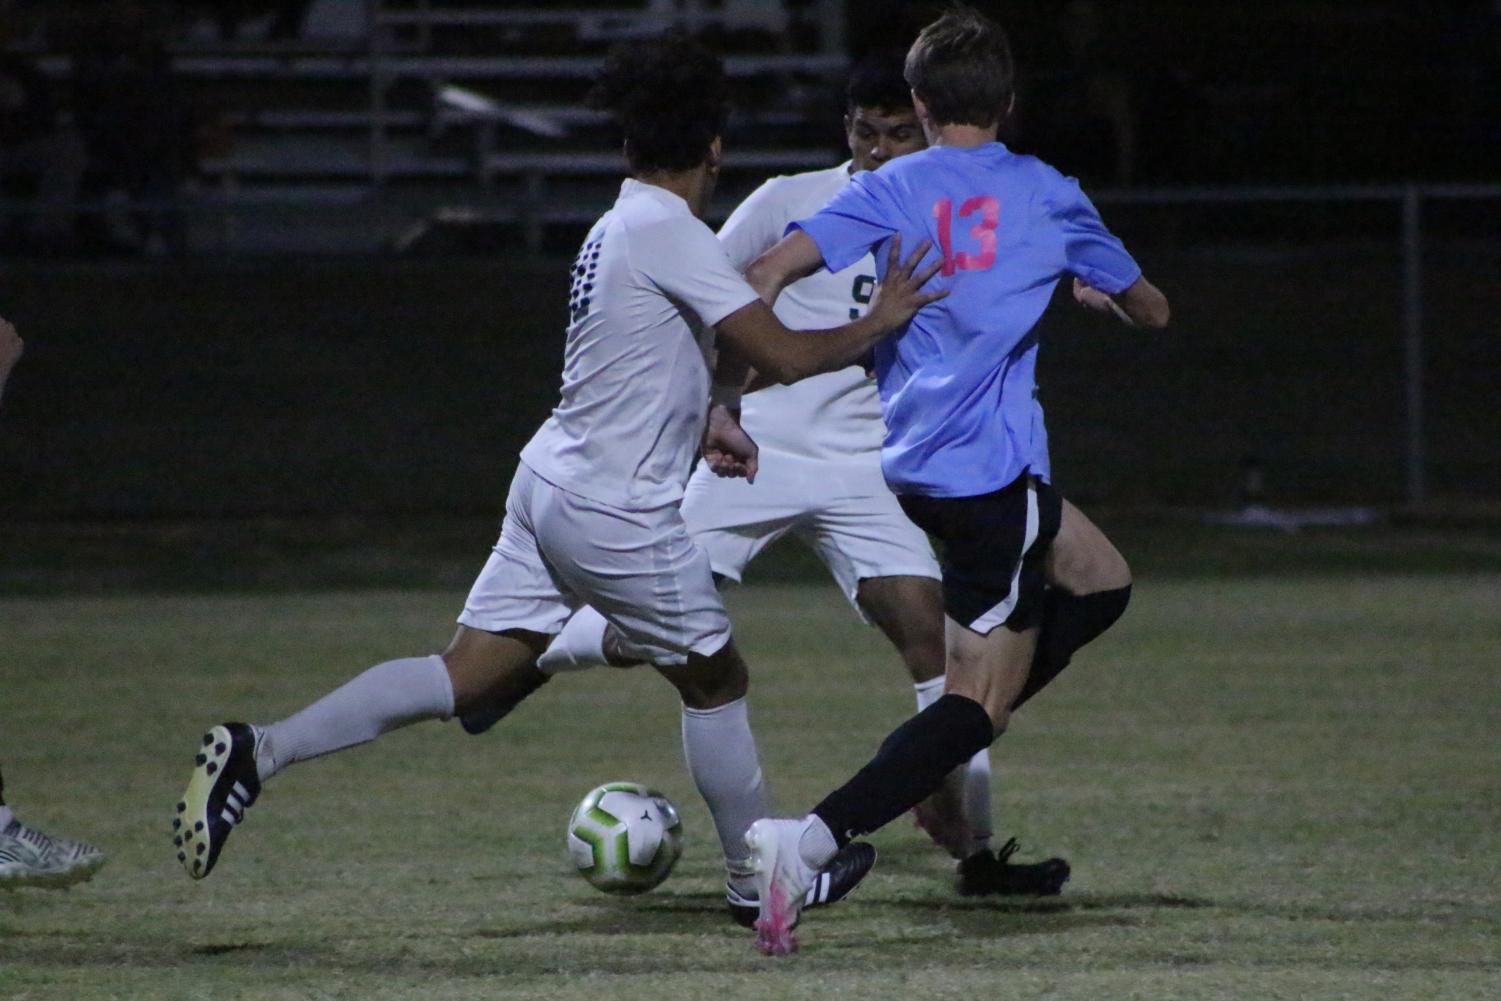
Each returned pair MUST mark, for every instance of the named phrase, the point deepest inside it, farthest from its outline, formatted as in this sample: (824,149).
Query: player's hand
(1092,298)
(900,295)
(728,450)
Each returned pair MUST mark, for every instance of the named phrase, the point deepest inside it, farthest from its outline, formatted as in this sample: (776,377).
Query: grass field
(1272,782)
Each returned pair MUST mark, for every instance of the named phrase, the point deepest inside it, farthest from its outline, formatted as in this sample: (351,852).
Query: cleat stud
(208,739)
(198,826)
(212,768)
(181,807)
(176,823)
(177,841)
(200,849)
(200,759)
(182,856)
(218,748)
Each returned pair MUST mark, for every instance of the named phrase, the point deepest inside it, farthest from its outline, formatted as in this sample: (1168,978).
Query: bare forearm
(1145,304)
(795,257)
(786,356)
(1141,305)
(800,354)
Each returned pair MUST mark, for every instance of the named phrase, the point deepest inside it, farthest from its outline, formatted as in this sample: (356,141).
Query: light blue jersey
(958,389)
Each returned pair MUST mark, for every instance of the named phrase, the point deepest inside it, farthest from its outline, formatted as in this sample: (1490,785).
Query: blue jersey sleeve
(858,218)
(1091,251)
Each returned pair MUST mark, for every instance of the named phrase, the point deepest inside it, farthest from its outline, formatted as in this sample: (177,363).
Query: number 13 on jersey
(988,208)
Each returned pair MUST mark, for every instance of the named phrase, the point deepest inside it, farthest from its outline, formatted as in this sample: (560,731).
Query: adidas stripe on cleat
(833,883)
(224,785)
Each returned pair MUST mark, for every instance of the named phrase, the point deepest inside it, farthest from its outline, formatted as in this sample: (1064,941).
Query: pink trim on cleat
(774,934)
(780,882)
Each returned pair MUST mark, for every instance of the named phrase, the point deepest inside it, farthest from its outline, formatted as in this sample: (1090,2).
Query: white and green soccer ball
(624,837)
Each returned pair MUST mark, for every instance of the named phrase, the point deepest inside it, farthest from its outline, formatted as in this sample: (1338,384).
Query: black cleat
(223,786)
(835,881)
(984,874)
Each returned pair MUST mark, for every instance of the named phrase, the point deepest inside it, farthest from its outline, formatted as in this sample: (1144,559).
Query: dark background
(185,375)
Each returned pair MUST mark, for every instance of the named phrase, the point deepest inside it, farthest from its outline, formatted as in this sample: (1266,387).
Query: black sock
(911,763)
(1068,622)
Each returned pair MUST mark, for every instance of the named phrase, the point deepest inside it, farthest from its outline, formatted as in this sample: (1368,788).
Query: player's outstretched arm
(793,258)
(755,334)
(1141,305)
(11,346)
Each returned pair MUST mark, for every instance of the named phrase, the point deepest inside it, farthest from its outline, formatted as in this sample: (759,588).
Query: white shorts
(846,514)
(640,569)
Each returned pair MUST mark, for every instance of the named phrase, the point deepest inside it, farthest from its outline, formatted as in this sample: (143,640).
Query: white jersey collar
(632,188)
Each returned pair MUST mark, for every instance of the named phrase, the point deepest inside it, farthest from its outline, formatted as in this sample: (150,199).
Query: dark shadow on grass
(671,914)
(225,948)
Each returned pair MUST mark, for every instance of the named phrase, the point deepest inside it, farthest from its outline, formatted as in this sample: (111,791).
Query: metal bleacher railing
(459,93)
(423,82)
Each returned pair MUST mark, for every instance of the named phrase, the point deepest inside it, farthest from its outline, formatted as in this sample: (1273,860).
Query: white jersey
(834,417)
(648,287)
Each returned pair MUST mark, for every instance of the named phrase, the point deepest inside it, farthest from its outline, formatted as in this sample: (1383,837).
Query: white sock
(6,816)
(816,846)
(721,754)
(580,644)
(976,776)
(928,692)
(385,697)
(977,801)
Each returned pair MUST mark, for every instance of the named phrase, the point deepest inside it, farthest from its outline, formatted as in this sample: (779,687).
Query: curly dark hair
(670,97)
(877,82)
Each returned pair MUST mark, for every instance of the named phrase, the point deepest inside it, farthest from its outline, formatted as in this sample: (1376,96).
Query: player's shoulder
(793,189)
(990,158)
(657,216)
(1051,185)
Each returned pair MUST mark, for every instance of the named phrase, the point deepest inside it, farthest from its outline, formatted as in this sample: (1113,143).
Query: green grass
(1271,785)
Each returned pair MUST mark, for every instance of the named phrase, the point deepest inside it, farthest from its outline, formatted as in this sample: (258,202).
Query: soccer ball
(624,837)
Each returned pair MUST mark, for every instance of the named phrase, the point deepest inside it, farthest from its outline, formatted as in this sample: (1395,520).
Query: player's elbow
(766,278)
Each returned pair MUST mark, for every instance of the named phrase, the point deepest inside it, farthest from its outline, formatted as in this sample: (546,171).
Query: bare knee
(989,669)
(493,669)
(712,681)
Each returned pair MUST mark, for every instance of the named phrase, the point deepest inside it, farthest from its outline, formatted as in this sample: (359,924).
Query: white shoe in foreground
(782,881)
(29,857)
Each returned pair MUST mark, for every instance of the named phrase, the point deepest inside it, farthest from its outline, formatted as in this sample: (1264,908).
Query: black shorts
(992,550)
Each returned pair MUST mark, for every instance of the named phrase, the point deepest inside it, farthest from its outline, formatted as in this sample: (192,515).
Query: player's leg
(885,565)
(730,519)
(650,581)
(29,857)
(993,578)
(513,608)
(909,765)
(908,610)
(720,751)
(1089,586)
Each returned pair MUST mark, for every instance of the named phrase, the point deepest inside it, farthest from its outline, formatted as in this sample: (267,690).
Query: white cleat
(782,882)
(29,857)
